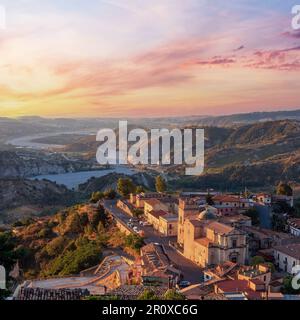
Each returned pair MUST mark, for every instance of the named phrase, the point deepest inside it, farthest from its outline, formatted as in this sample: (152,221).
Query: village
(197,245)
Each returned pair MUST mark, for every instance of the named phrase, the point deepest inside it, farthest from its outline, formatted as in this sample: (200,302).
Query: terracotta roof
(295,222)
(203,242)
(231,286)
(292,250)
(159,213)
(196,223)
(263,195)
(257,281)
(220,228)
(226,198)
(152,202)
(234,219)
(154,258)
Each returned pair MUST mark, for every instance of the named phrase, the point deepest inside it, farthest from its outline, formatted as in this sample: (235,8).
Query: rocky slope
(28,164)
(20,192)
(110,182)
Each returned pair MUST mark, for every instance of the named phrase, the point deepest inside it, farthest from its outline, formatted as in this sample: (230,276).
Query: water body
(28,141)
(74,179)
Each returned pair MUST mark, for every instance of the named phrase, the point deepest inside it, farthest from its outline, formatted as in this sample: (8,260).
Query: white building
(294,226)
(264,198)
(287,257)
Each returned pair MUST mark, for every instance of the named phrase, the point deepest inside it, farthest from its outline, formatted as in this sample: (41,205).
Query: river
(73,179)
(29,141)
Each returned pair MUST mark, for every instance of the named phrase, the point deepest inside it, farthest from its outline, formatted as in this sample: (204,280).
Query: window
(234,259)
(234,243)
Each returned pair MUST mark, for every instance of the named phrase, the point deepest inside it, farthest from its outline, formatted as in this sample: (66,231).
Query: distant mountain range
(30,125)
(256,155)
(245,150)
(245,118)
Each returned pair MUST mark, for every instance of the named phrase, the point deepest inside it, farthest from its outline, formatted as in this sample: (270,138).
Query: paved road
(191,271)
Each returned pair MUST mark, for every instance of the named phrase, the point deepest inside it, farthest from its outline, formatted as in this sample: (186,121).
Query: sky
(139,58)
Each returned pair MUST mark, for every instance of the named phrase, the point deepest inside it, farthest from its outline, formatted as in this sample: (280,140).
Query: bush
(125,187)
(7,250)
(96,196)
(110,194)
(45,233)
(256,261)
(284,189)
(254,215)
(287,286)
(134,242)
(172,294)
(56,246)
(86,255)
(148,295)
(160,184)
(138,212)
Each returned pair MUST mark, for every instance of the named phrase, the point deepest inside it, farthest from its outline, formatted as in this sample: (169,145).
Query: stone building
(206,241)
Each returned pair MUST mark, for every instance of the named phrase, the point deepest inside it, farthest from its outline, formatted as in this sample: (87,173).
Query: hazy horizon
(150,117)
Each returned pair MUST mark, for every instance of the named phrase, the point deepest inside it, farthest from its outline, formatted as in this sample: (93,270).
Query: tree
(134,242)
(256,260)
(96,196)
(125,187)
(85,254)
(287,286)
(297,208)
(209,200)
(139,189)
(172,294)
(148,295)
(56,246)
(138,212)
(7,250)
(254,215)
(284,189)
(271,266)
(110,194)
(160,184)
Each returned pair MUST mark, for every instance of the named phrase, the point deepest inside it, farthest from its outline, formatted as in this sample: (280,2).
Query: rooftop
(292,250)
(295,222)
(170,218)
(226,198)
(152,202)
(158,213)
(203,242)
(234,219)
(238,286)
(154,258)
(220,228)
